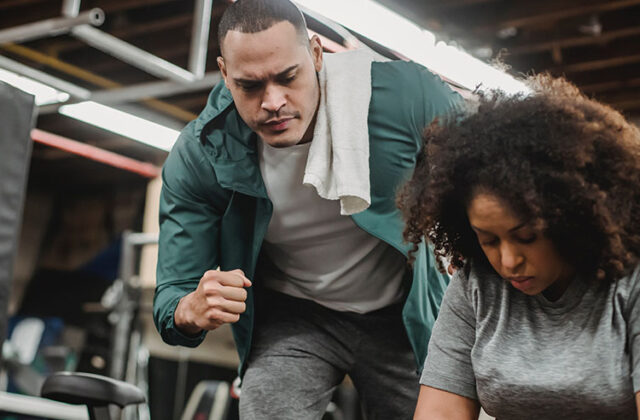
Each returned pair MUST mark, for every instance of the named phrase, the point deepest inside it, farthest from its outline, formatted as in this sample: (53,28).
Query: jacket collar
(218,101)
(229,144)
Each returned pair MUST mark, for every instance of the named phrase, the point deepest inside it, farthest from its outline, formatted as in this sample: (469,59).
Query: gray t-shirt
(316,253)
(525,357)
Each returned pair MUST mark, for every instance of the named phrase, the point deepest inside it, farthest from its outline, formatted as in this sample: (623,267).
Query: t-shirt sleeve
(633,327)
(448,366)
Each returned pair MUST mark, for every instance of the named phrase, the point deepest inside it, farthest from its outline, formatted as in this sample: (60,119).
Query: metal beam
(193,102)
(93,78)
(627,104)
(454,4)
(577,41)
(95,153)
(138,57)
(154,89)
(122,5)
(70,7)
(41,407)
(131,54)
(200,37)
(148,29)
(6,4)
(610,85)
(51,27)
(133,93)
(553,10)
(146,238)
(599,64)
(78,24)
(45,78)
(623,95)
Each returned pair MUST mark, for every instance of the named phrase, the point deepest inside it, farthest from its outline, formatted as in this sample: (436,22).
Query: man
(312,295)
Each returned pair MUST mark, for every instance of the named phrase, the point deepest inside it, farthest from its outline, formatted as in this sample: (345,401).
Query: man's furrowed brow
(287,71)
(244,80)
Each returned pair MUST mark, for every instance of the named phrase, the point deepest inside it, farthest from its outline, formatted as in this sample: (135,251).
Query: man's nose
(273,99)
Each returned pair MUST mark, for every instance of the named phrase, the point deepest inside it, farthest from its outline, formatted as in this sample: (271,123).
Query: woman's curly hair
(557,157)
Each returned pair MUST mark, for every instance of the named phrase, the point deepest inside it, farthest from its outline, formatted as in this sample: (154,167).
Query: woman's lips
(521,282)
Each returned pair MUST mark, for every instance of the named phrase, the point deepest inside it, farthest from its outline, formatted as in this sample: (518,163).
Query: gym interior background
(77,269)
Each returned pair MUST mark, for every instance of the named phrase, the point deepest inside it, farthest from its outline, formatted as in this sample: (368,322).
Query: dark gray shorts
(301,352)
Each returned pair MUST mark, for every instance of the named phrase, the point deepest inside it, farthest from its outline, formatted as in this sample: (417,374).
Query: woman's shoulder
(627,289)
(478,282)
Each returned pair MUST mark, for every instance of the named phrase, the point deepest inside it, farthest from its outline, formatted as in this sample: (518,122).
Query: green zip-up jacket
(214,208)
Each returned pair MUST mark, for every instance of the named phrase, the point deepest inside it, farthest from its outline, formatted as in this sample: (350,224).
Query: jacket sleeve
(408,99)
(438,98)
(427,98)
(191,207)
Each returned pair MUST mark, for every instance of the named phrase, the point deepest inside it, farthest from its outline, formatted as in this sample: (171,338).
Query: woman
(535,202)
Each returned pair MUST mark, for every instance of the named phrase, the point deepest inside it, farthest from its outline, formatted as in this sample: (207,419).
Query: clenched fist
(219,299)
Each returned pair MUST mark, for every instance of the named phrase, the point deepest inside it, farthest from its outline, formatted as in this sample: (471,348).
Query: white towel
(338,162)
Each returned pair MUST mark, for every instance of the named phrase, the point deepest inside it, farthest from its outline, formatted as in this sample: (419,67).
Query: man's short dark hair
(251,16)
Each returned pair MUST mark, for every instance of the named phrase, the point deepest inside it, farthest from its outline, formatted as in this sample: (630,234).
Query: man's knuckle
(212,288)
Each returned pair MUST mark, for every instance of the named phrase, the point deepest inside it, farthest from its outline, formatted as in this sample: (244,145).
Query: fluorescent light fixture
(387,28)
(93,113)
(44,94)
(122,123)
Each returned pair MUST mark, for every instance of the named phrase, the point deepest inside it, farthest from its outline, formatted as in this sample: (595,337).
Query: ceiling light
(122,123)
(44,94)
(93,113)
(405,37)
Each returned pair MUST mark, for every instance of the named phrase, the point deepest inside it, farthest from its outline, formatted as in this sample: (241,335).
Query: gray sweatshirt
(525,357)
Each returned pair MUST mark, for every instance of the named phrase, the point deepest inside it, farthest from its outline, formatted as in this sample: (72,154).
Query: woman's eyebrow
(477,229)
(521,225)
(513,229)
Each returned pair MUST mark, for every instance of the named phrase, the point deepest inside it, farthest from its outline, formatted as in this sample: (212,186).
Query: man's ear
(315,46)
(223,69)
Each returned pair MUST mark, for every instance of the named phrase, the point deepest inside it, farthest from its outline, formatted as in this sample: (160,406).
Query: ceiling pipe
(132,93)
(70,7)
(51,27)
(200,37)
(95,79)
(131,54)
(42,77)
(79,25)
(97,154)
(138,57)
(154,89)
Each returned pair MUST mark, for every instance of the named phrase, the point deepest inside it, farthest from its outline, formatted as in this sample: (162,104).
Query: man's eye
(249,87)
(288,79)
